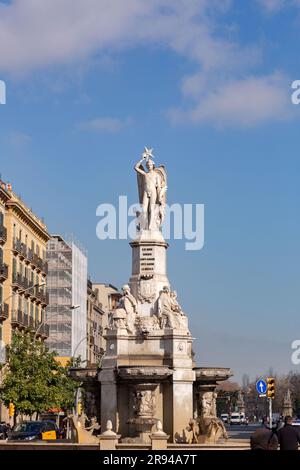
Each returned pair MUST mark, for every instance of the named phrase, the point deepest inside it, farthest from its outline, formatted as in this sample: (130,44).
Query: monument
(287,405)
(147,373)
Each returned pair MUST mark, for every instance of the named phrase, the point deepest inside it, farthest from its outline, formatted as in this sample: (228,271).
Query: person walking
(264,438)
(288,436)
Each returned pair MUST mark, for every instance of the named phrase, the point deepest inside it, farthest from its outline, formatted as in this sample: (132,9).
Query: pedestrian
(288,436)
(264,438)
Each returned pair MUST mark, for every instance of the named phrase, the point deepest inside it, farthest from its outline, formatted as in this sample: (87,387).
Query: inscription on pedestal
(147,261)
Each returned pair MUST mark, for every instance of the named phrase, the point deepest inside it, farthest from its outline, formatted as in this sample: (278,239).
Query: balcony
(20,248)
(3,234)
(4,309)
(3,272)
(42,296)
(42,329)
(17,318)
(37,262)
(20,281)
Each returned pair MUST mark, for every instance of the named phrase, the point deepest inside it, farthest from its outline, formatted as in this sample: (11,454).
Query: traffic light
(270,387)
(11,410)
(79,408)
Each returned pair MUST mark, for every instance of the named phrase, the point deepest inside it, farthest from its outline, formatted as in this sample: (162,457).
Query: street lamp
(78,344)
(71,307)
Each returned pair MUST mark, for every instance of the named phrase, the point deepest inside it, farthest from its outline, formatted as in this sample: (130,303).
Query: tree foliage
(33,380)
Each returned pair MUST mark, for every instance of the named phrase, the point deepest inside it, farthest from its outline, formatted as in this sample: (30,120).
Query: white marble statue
(152,185)
(125,313)
(169,310)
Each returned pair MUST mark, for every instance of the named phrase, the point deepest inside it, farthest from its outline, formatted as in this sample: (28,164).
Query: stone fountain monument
(147,373)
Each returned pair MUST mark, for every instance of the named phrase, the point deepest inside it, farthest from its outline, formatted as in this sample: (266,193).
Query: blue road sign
(261,386)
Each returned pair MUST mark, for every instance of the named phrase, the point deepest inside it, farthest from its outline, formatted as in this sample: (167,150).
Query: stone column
(109,403)
(182,391)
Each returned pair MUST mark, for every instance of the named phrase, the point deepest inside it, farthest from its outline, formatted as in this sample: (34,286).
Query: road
(237,431)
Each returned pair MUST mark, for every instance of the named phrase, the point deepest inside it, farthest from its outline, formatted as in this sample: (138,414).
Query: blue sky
(207,84)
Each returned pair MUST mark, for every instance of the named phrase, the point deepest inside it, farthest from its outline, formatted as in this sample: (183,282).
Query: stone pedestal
(159,438)
(149,270)
(108,439)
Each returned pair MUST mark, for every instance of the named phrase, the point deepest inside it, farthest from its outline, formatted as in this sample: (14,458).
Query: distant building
(95,329)
(67,310)
(108,296)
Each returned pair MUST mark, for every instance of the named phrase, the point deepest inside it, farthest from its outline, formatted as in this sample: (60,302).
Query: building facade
(24,269)
(95,330)
(67,310)
(23,272)
(4,308)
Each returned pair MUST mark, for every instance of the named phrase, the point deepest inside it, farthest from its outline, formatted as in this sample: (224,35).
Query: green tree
(33,380)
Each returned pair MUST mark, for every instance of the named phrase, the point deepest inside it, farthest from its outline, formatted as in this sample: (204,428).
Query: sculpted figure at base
(169,310)
(152,185)
(209,425)
(125,314)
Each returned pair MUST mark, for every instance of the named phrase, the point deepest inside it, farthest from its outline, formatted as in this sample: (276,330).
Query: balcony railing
(29,254)
(3,234)
(21,282)
(42,329)
(3,272)
(22,319)
(17,318)
(41,295)
(20,247)
(4,309)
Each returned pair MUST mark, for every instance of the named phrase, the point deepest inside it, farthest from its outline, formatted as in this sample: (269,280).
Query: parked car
(34,431)
(224,417)
(296,422)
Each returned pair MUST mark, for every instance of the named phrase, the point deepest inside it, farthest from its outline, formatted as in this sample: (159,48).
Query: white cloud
(243,103)
(35,34)
(272,6)
(104,124)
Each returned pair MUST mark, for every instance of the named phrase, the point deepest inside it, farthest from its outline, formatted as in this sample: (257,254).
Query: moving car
(34,431)
(235,418)
(224,417)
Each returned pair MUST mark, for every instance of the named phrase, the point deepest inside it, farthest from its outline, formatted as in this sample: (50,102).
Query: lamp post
(80,384)
(71,307)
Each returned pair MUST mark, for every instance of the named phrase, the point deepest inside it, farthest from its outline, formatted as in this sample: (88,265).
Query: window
(1,218)
(1,256)
(14,267)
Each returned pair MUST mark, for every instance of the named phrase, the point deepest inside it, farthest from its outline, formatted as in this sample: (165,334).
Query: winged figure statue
(152,186)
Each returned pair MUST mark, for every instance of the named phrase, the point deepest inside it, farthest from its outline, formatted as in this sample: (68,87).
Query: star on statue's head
(147,153)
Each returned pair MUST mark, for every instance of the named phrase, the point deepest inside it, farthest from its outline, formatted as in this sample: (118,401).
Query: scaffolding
(66,281)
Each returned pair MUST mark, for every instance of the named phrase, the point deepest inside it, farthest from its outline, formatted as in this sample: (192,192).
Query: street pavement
(238,431)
